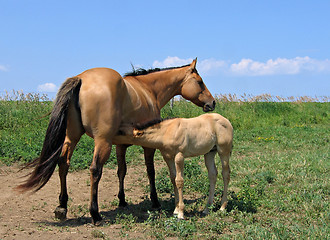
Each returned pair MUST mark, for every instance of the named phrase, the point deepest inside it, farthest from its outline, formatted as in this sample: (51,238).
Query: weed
(99,234)
(114,202)
(79,210)
(127,221)
(180,228)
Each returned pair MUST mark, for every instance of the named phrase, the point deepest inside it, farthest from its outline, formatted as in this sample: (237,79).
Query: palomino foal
(181,137)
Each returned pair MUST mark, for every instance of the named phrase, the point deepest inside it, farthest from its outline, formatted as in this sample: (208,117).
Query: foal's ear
(137,133)
(193,64)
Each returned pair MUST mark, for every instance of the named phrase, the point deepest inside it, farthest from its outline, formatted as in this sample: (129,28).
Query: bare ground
(30,216)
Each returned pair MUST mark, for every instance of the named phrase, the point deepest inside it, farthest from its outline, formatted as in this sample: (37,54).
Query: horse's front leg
(149,161)
(121,172)
(212,173)
(179,184)
(101,154)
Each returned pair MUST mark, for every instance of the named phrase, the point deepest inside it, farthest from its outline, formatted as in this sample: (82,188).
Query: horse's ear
(193,64)
(137,133)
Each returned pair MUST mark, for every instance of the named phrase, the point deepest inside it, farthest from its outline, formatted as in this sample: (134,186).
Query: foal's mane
(142,71)
(142,126)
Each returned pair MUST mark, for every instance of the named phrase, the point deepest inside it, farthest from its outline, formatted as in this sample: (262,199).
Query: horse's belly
(199,148)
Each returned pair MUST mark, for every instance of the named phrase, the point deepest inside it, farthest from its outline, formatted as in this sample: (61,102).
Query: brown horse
(96,102)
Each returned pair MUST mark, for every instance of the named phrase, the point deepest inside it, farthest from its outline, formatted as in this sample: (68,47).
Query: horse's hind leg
(69,145)
(73,133)
(64,163)
(212,173)
(226,178)
(101,154)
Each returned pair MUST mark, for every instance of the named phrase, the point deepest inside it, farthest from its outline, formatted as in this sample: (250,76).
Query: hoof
(60,213)
(98,223)
(97,219)
(156,206)
(123,208)
(205,212)
(179,216)
(123,204)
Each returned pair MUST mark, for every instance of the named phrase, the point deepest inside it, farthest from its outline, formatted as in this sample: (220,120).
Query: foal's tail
(45,164)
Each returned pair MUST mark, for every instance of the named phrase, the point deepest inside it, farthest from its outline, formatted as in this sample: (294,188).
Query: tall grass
(280,165)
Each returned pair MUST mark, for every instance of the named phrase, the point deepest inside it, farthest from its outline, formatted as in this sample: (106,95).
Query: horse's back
(100,77)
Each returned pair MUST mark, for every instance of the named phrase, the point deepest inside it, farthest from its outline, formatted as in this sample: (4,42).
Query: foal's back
(199,135)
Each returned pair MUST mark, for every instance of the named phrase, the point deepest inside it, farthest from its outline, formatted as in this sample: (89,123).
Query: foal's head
(194,89)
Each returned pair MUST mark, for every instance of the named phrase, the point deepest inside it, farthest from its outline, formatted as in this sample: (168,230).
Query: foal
(179,138)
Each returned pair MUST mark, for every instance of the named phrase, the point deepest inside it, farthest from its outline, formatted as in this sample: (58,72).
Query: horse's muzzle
(209,106)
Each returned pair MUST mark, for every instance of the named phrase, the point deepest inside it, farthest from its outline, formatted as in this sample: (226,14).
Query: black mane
(141,71)
(142,126)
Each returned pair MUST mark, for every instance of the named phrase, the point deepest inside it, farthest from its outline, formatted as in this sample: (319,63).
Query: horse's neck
(164,85)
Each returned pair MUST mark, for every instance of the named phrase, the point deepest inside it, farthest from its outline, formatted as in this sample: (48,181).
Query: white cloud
(249,67)
(205,66)
(171,62)
(3,68)
(279,66)
(47,87)
(211,65)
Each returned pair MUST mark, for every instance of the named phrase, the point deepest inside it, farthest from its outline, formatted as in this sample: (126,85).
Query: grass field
(279,185)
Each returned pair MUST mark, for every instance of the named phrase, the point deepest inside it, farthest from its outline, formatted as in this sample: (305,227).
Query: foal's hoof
(60,213)
(178,216)
(204,213)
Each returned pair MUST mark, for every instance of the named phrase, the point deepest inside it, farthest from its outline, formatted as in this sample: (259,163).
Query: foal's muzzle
(209,106)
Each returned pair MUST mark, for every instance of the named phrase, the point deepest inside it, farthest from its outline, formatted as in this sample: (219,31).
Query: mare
(96,102)
(187,137)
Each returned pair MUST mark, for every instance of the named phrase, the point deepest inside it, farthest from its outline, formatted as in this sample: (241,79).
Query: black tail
(45,164)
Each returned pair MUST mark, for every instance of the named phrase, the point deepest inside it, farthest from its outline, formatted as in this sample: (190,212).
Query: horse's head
(194,89)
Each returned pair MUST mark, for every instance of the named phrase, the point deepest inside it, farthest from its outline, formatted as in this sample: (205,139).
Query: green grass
(279,185)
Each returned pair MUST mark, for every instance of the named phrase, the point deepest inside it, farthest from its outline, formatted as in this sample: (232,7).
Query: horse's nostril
(213,104)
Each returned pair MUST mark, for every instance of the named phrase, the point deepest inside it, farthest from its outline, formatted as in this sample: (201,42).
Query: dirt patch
(30,216)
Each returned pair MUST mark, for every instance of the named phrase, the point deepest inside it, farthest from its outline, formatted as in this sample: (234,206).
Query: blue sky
(253,47)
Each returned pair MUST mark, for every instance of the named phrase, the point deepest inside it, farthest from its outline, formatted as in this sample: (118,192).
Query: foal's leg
(226,178)
(179,184)
(149,161)
(101,154)
(121,172)
(212,173)
(171,167)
